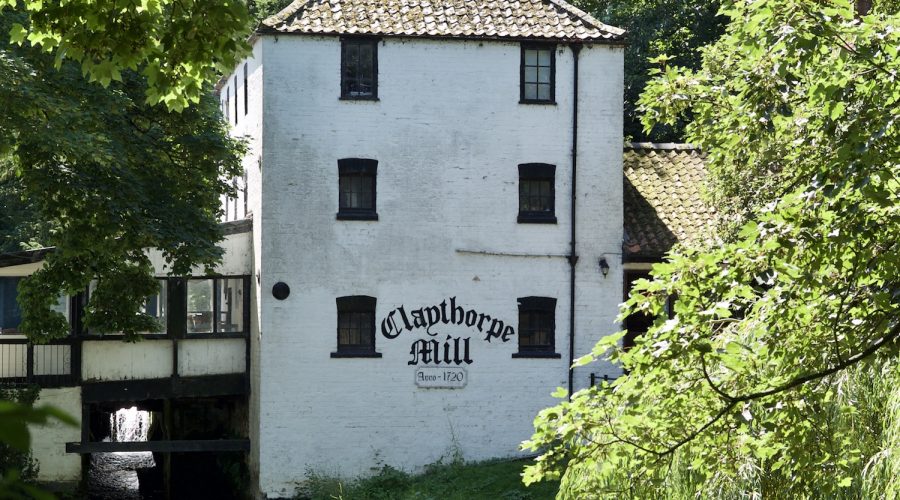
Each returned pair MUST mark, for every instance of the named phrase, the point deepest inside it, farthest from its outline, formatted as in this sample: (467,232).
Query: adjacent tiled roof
(23,257)
(516,19)
(663,199)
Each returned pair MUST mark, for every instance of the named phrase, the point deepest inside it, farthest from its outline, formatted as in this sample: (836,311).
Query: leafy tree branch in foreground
(778,374)
(109,176)
(176,45)
(675,29)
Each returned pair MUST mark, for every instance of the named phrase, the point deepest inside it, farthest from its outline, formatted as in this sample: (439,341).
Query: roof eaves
(642,257)
(11,259)
(599,41)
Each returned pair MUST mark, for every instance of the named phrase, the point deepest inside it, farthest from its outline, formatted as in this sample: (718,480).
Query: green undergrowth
(495,479)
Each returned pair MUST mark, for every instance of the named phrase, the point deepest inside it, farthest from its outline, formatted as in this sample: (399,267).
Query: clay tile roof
(663,200)
(518,19)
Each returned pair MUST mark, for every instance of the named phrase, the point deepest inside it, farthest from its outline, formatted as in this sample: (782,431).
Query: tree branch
(719,391)
(872,349)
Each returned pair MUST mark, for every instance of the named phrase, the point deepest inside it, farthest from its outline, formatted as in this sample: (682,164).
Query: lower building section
(56,467)
(357,377)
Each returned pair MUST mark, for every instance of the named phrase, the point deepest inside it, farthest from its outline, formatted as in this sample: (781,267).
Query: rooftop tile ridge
(584,16)
(663,146)
(284,14)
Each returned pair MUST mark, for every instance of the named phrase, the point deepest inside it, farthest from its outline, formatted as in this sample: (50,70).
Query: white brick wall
(448,133)
(48,441)
(250,127)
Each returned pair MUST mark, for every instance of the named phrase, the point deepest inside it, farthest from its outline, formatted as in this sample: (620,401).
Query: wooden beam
(182,387)
(178,446)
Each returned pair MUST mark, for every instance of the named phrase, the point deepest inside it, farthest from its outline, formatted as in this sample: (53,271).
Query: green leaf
(17,33)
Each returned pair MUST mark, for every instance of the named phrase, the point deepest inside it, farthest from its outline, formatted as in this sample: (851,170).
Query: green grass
(496,479)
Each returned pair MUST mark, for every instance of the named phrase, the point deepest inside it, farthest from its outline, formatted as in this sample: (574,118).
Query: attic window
(538,74)
(359,68)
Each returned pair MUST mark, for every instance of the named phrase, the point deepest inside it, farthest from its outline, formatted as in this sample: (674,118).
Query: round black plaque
(281,290)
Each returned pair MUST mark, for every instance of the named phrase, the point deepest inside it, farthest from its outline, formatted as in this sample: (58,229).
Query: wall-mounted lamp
(604,266)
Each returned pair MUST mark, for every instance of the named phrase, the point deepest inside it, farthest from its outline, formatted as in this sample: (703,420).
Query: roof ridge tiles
(665,146)
(584,16)
(517,19)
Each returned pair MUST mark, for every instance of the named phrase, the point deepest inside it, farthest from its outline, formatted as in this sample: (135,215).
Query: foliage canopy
(107,176)
(778,374)
(672,29)
(177,45)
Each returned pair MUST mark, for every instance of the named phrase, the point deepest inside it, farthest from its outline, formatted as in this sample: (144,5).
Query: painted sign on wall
(450,350)
(441,378)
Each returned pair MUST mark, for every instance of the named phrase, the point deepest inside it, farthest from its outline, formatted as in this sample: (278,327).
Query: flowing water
(130,424)
(118,475)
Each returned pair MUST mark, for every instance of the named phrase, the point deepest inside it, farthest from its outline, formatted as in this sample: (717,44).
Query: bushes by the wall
(12,459)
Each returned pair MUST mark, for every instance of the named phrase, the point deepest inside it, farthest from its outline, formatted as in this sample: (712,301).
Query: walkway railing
(55,364)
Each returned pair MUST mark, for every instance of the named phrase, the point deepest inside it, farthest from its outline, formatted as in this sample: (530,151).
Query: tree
(177,45)
(19,227)
(261,9)
(778,375)
(674,28)
(110,176)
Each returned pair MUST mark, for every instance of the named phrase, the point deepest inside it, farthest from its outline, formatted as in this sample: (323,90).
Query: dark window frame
(542,306)
(216,306)
(235,100)
(349,168)
(346,93)
(10,284)
(537,172)
(522,66)
(246,92)
(244,191)
(637,324)
(355,304)
(176,311)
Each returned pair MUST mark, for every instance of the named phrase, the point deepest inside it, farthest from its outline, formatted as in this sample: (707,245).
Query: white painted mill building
(419,172)
(428,231)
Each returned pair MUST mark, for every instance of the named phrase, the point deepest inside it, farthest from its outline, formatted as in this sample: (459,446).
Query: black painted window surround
(357,189)
(355,327)
(187,307)
(538,74)
(10,313)
(537,328)
(359,68)
(537,193)
(246,92)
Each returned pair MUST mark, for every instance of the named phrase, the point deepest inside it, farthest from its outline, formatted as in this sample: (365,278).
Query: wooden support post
(75,352)
(167,456)
(85,438)
(29,362)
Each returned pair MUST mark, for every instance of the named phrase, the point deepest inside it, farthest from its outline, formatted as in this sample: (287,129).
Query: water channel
(125,475)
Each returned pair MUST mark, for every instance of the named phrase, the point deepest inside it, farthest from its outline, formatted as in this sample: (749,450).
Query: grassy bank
(499,480)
